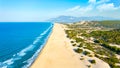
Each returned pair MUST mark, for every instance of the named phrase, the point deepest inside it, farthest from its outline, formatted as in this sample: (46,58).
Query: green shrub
(92,61)
(79,40)
(96,41)
(81,58)
(112,48)
(78,50)
(72,41)
(86,53)
(74,44)
(90,55)
(80,45)
(89,66)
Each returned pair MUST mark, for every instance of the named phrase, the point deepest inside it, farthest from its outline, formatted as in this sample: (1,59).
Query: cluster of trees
(112,36)
(112,48)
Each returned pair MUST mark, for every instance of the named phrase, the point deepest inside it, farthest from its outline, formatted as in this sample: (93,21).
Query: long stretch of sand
(56,53)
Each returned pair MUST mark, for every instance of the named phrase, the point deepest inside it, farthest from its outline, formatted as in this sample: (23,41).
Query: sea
(21,42)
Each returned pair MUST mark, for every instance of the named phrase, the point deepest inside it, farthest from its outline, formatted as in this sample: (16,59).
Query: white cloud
(80,9)
(92,1)
(74,8)
(102,1)
(97,2)
(95,8)
(107,7)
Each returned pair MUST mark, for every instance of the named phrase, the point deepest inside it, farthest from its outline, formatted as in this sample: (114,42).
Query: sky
(41,10)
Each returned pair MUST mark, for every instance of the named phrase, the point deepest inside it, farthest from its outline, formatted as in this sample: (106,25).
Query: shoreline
(57,52)
(43,45)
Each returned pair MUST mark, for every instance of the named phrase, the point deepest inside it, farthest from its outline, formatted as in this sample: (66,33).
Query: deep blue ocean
(21,42)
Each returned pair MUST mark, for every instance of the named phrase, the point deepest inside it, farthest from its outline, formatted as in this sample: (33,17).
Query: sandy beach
(58,53)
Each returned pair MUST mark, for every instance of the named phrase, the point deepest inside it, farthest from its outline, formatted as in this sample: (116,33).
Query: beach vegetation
(72,41)
(81,58)
(86,53)
(90,55)
(104,34)
(89,66)
(112,36)
(85,35)
(74,44)
(96,41)
(110,24)
(112,48)
(78,50)
(80,45)
(92,61)
(79,40)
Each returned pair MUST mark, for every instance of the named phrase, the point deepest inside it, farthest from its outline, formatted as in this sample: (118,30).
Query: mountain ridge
(70,19)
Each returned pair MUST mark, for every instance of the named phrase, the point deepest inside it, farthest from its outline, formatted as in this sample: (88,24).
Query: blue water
(21,42)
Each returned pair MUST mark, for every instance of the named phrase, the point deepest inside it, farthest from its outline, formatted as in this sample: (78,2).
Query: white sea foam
(8,62)
(30,61)
(47,30)
(37,40)
(4,67)
(23,52)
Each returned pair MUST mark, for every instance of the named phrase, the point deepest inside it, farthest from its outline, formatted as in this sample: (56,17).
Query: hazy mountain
(76,19)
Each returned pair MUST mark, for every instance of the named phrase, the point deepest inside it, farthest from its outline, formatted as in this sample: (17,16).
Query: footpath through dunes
(57,52)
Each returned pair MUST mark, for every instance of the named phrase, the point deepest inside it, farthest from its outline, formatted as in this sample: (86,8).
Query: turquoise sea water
(21,42)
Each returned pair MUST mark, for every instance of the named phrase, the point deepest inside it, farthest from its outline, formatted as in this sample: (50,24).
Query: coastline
(42,47)
(57,53)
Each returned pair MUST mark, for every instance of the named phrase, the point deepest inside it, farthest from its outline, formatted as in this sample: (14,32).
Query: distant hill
(70,19)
